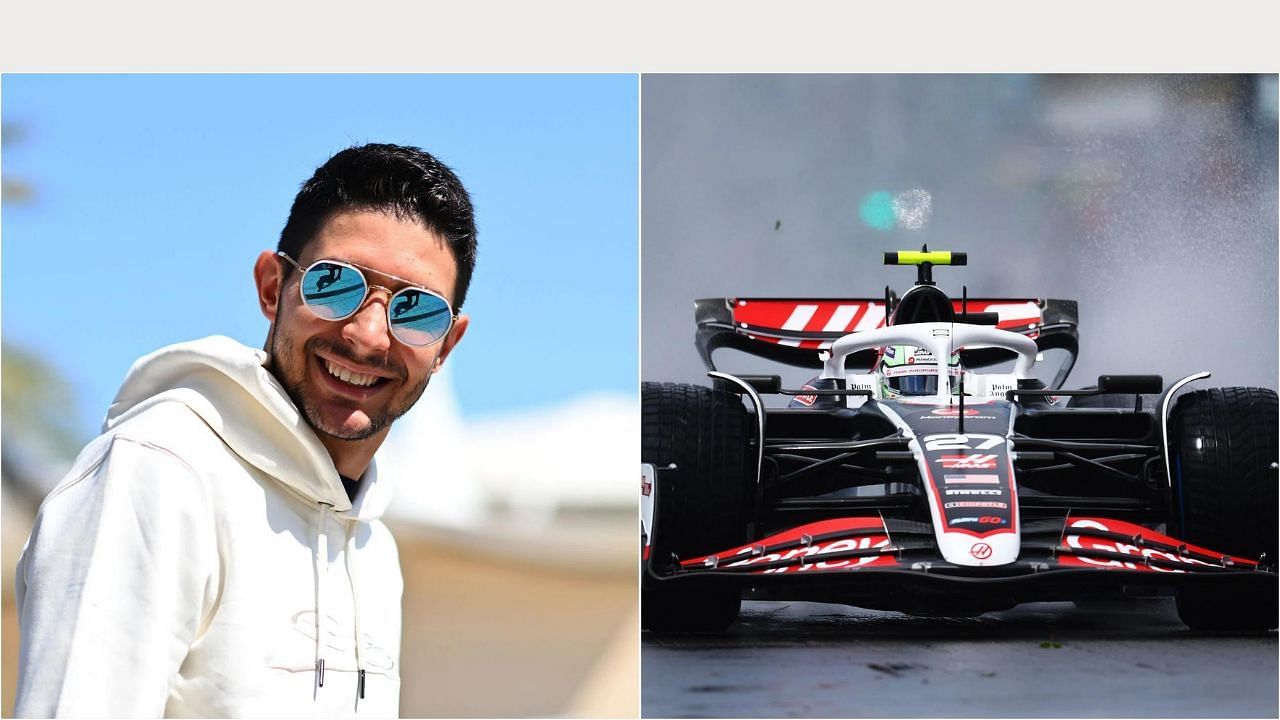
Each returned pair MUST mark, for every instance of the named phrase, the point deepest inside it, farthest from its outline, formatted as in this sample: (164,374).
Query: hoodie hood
(227,385)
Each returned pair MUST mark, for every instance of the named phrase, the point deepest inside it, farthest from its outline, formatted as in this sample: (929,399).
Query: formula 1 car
(901,478)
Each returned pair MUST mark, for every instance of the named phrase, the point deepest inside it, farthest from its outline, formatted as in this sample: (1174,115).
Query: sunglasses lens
(419,318)
(332,291)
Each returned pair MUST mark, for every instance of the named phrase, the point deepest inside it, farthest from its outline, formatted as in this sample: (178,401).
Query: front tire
(1224,450)
(701,505)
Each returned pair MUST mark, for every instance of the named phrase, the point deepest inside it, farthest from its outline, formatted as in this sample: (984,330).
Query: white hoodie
(201,558)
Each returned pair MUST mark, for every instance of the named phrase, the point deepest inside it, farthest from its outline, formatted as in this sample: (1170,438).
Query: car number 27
(952,441)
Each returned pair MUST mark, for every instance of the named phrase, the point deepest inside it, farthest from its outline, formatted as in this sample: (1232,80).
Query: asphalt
(1113,659)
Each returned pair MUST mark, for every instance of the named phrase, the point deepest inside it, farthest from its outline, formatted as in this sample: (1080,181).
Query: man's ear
(268,275)
(455,335)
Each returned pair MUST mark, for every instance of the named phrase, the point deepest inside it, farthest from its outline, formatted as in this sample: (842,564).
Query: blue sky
(155,193)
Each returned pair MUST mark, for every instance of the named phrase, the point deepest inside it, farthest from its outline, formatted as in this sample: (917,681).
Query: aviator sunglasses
(335,290)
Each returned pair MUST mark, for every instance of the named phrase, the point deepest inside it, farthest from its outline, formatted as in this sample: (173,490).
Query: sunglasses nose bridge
(369,323)
(377,295)
(385,310)
(369,293)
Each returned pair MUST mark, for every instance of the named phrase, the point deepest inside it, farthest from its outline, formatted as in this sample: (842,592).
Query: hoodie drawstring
(355,612)
(322,570)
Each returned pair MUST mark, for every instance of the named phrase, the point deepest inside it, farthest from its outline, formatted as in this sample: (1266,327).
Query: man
(217,551)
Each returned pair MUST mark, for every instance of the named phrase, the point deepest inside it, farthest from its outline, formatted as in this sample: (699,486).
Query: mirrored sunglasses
(335,290)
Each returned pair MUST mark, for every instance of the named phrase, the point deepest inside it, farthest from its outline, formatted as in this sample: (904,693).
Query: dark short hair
(407,182)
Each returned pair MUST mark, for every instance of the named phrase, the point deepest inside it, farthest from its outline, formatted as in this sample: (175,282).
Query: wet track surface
(1115,659)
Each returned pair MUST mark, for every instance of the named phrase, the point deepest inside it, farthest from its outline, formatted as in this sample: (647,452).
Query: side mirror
(1131,384)
(764,384)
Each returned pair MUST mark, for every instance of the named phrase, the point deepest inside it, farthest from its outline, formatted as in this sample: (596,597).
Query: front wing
(866,557)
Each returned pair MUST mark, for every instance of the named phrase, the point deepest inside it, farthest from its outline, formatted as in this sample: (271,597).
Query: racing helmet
(910,371)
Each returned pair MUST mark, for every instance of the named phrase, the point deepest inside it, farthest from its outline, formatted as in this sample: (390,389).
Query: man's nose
(367,329)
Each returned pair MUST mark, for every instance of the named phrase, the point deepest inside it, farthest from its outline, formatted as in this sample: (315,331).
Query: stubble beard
(290,369)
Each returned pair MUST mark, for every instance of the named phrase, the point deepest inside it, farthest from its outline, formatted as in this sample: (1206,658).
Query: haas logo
(981,551)
(968,462)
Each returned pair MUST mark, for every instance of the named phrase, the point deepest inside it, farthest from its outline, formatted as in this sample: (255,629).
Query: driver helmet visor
(917,374)
(915,384)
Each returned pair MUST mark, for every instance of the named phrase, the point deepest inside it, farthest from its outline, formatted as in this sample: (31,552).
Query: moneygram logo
(955,412)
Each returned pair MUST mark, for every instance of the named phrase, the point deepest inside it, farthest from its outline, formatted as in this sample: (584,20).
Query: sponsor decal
(807,399)
(982,520)
(813,553)
(648,476)
(911,360)
(976,504)
(955,412)
(971,479)
(975,492)
(968,462)
(1129,555)
(902,370)
(817,550)
(981,551)
(889,351)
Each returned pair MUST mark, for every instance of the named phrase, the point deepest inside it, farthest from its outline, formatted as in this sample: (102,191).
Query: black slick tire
(1224,449)
(700,505)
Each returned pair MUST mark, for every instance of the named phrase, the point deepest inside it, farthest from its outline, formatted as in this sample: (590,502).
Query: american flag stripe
(971,479)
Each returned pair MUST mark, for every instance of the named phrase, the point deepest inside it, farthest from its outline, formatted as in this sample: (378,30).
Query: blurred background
(1150,199)
(517,532)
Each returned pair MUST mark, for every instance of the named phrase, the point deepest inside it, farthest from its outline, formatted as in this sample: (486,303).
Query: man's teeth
(347,376)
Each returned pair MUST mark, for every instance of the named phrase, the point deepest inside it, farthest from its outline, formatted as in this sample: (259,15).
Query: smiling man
(217,551)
